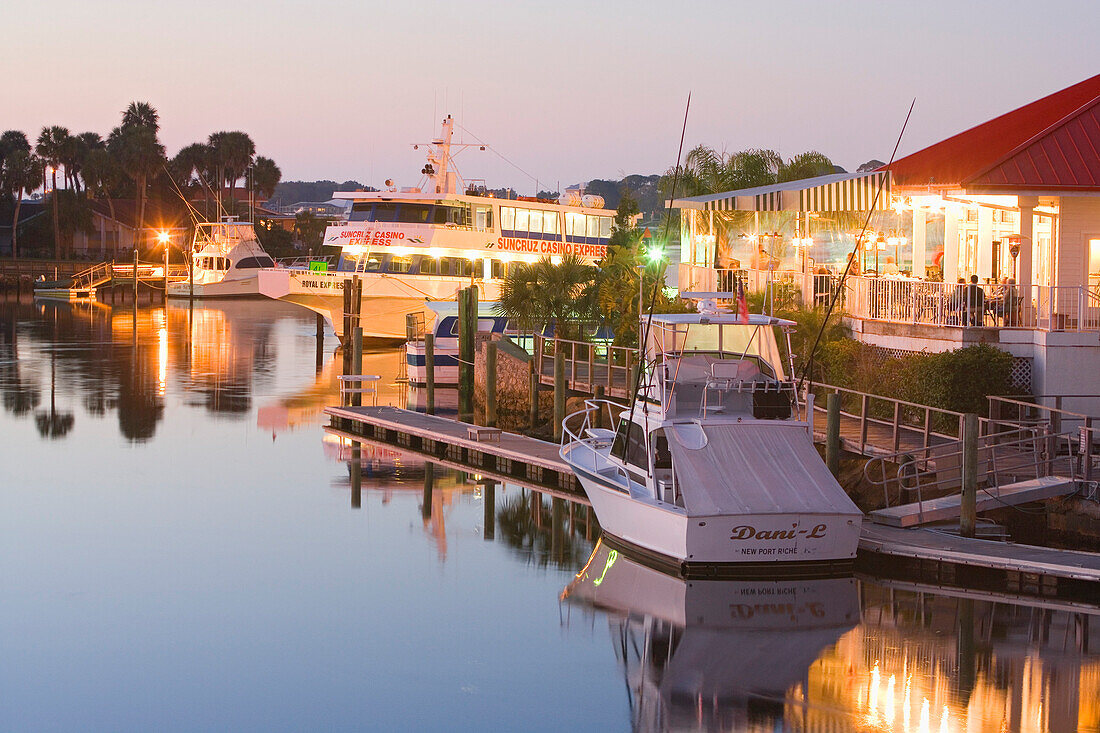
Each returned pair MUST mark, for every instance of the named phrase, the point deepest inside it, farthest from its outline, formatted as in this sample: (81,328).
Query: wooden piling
(491,384)
(347,287)
(489,503)
(320,341)
(597,416)
(968,516)
(429,373)
(429,477)
(356,363)
(832,433)
(559,393)
(467,330)
(355,471)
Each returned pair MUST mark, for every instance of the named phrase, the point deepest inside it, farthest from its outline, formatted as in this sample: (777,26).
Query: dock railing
(587,365)
(1004,457)
(886,423)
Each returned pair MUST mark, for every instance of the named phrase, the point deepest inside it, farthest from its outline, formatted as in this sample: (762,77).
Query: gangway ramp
(950,507)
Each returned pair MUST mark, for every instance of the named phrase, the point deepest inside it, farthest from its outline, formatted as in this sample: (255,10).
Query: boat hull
(246,287)
(387,299)
(706,544)
(67,294)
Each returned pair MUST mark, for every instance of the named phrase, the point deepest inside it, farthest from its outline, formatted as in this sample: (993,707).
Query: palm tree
(11,141)
(232,153)
(84,144)
(52,142)
(266,176)
(102,175)
(141,114)
(216,145)
(22,174)
(191,167)
(806,165)
(140,155)
(534,295)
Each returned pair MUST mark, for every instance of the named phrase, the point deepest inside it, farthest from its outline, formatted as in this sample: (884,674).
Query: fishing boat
(425,243)
(713,468)
(225,258)
(712,654)
(444,327)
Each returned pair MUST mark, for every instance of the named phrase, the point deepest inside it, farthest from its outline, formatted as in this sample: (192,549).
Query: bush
(959,380)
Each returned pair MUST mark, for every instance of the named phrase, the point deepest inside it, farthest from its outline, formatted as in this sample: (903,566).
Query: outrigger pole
(809,368)
(643,337)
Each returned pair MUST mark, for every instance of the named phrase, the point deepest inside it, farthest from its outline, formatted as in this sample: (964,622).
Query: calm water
(181,549)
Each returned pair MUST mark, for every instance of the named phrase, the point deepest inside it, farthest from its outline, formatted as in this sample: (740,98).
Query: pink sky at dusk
(568,91)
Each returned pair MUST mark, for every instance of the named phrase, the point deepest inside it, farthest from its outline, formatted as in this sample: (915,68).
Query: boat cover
(753,468)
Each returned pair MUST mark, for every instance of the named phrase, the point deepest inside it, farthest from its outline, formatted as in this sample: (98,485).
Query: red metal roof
(1050,143)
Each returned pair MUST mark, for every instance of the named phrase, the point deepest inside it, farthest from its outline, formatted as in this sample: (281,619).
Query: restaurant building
(1016,197)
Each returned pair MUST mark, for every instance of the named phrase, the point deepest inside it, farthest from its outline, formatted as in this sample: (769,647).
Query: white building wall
(1079,222)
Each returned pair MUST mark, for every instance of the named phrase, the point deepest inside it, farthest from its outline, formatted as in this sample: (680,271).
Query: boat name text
(748,532)
(539,246)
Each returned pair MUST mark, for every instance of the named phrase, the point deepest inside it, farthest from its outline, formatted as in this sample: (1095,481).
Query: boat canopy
(718,335)
(779,471)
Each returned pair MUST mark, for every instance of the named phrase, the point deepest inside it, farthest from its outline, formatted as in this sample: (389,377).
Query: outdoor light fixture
(162,237)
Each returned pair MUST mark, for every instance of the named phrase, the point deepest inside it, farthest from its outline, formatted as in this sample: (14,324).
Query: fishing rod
(644,336)
(808,369)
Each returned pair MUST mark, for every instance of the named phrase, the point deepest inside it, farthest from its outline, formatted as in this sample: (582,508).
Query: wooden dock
(512,457)
(925,555)
(950,507)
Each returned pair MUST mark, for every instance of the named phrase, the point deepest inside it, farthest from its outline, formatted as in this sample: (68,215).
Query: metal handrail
(911,468)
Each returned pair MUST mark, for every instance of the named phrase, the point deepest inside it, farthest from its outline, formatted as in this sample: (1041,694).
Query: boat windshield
(726,340)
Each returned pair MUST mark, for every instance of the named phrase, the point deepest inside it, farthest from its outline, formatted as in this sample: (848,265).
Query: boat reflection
(712,653)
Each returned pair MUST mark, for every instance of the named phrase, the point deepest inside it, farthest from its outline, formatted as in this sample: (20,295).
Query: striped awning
(835,192)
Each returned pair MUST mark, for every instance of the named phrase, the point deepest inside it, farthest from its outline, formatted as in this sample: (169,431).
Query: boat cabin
(227,250)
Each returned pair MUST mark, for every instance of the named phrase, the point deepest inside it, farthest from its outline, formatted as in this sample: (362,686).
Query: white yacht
(713,470)
(425,243)
(225,257)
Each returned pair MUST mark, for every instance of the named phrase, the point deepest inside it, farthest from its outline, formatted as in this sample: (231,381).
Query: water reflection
(839,654)
(714,654)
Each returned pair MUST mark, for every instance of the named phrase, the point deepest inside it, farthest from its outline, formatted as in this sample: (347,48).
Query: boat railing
(1004,457)
(584,425)
(305,262)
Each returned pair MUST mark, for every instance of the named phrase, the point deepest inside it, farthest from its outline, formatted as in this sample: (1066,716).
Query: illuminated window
(550,222)
(535,227)
(400,264)
(523,220)
(605,227)
(593,226)
(507,218)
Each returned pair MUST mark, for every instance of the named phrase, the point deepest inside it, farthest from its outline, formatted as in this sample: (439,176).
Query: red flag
(742,304)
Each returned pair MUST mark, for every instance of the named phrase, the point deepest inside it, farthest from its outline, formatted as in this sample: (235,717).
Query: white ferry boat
(714,470)
(226,257)
(425,243)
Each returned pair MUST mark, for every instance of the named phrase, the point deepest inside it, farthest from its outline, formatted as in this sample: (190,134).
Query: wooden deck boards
(511,446)
(933,545)
(949,507)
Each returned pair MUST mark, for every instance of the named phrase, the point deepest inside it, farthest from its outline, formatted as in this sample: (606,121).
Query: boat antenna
(808,369)
(644,336)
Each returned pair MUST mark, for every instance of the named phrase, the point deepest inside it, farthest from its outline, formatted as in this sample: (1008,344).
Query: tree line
(130,163)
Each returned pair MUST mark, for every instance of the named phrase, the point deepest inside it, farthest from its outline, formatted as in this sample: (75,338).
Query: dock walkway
(897,552)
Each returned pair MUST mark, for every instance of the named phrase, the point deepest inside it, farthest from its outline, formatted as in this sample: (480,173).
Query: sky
(562,92)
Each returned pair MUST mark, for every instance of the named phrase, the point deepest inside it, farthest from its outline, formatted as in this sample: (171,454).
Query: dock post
(491,384)
(357,363)
(355,471)
(320,341)
(429,373)
(968,517)
(347,327)
(533,393)
(559,392)
(557,534)
(135,274)
(597,395)
(467,320)
(489,503)
(429,477)
(832,433)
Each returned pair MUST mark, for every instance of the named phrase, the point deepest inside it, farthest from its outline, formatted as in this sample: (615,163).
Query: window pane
(522,220)
(361,211)
(536,222)
(550,222)
(414,213)
(400,264)
(605,227)
(385,212)
(593,229)
(507,217)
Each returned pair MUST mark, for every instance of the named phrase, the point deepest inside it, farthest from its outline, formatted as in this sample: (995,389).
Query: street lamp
(163,237)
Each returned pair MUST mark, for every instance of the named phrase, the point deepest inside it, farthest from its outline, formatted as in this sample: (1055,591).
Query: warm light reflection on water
(181,542)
